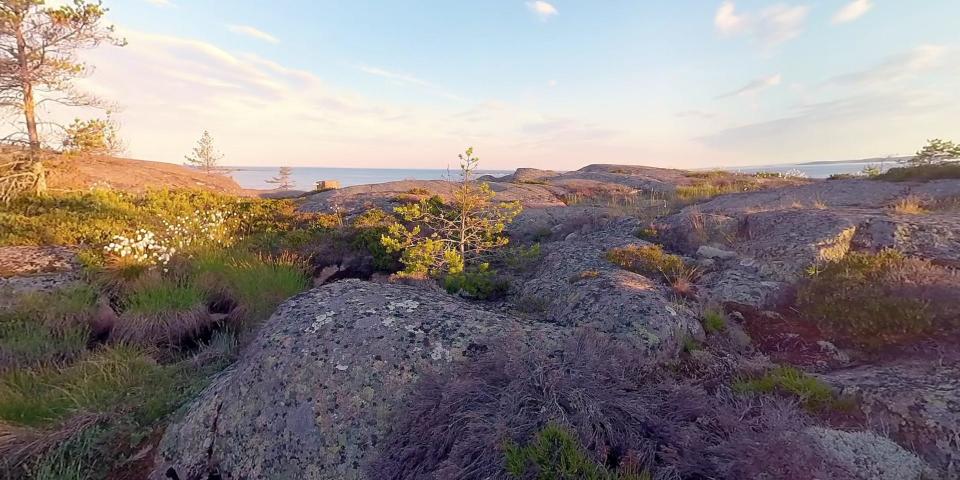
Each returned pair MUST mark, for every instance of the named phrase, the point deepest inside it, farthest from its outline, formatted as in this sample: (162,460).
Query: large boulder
(917,401)
(579,287)
(316,390)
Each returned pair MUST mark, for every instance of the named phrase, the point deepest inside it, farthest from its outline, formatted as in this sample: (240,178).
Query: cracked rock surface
(315,391)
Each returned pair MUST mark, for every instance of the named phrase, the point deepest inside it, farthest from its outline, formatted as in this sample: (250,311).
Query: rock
(715,253)
(29,269)
(917,401)
(868,456)
(315,390)
(582,289)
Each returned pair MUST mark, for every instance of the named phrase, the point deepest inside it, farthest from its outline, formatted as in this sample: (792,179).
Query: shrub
(939,171)
(714,321)
(456,423)
(368,229)
(444,238)
(653,260)
(480,283)
(522,259)
(909,205)
(813,393)
(876,299)
(556,454)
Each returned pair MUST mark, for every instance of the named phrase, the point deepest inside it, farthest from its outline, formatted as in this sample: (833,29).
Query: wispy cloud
(161,3)
(542,9)
(552,83)
(770,27)
(399,77)
(899,67)
(252,32)
(853,11)
(754,86)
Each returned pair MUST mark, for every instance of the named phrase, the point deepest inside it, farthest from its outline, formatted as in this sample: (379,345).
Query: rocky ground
(313,396)
(317,393)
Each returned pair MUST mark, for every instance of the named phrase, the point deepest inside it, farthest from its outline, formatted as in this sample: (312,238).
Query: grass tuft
(813,393)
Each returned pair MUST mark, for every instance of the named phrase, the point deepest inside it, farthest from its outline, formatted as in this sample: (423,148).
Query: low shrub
(481,283)
(626,418)
(936,171)
(522,259)
(652,260)
(714,321)
(813,393)
(555,453)
(872,300)
(909,205)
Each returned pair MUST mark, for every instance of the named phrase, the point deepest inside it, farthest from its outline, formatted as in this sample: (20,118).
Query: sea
(305,178)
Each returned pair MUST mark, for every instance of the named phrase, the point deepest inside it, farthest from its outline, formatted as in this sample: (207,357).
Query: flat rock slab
(918,402)
(315,391)
(29,260)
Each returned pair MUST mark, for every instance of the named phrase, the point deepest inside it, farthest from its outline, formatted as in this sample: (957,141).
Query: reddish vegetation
(784,337)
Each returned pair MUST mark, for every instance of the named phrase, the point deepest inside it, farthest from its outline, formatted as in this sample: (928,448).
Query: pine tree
(283,180)
(205,155)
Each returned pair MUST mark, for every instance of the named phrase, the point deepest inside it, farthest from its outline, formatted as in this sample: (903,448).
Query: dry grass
(20,444)
(909,205)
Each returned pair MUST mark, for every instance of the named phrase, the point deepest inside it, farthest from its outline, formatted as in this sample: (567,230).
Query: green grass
(714,321)
(813,393)
(555,453)
(46,328)
(257,283)
(946,170)
(97,383)
(164,296)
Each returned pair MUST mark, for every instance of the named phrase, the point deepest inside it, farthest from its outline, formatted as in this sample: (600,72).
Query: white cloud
(754,86)
(252,32)
(727,21)
(552,83)
(161,3)
(853,11)
(770,27)
(542,9)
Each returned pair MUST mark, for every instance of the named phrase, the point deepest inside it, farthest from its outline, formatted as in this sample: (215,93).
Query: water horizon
(305,178)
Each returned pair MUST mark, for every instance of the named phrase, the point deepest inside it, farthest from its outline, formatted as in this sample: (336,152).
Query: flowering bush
(143,248)
(214,228)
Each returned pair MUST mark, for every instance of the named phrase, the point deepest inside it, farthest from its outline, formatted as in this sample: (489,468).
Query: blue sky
(556,84)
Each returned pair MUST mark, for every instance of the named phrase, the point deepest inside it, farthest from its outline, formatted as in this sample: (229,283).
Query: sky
(554,84)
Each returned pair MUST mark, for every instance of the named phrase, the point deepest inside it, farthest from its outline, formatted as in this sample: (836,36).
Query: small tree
(92,137)
(205,155)
(284,179)
(936,151)
(446,237)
